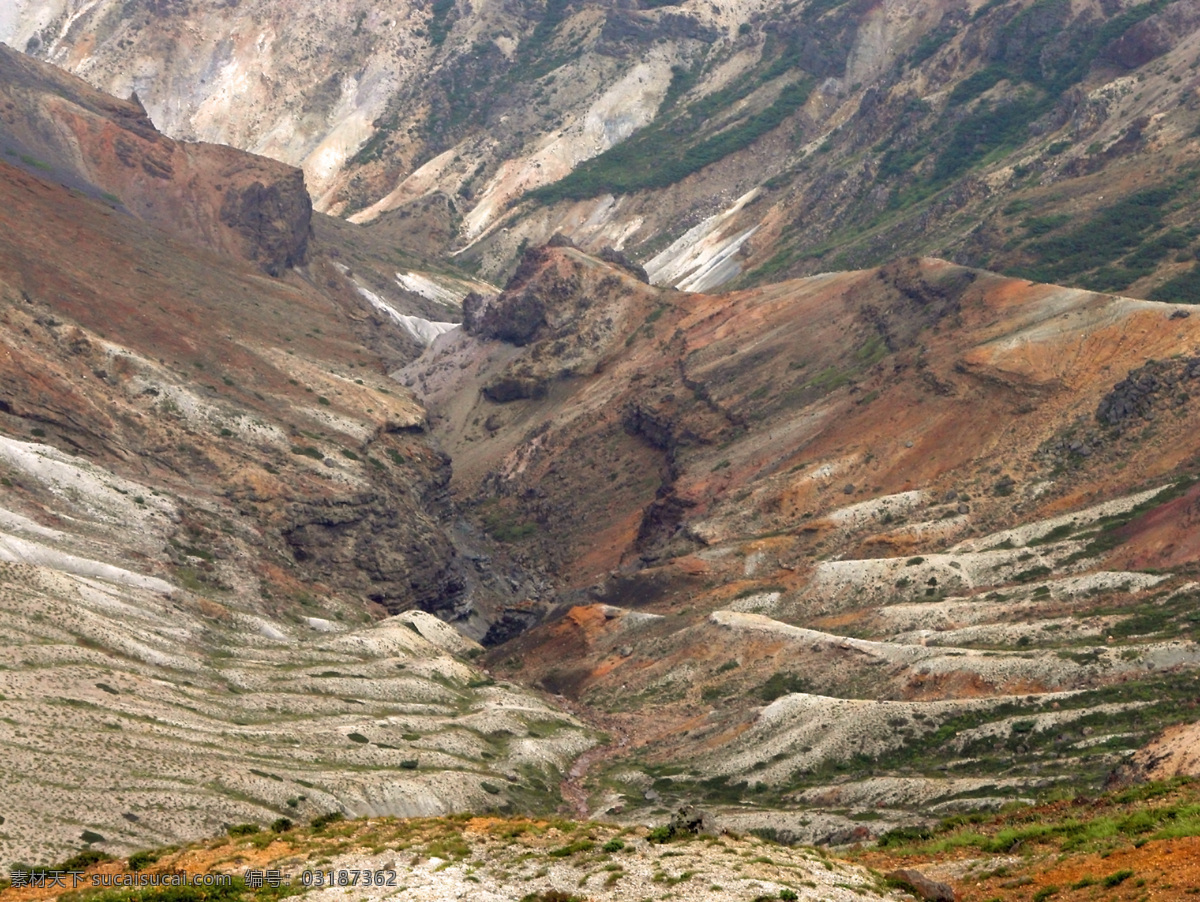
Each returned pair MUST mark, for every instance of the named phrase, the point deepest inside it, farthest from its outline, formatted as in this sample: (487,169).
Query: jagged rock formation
(1156,384)
(214,196)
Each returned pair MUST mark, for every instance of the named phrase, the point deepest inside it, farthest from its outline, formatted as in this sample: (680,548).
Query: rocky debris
(1157,383)
(600,862)
(691,820)
(1078,443)
(925,887)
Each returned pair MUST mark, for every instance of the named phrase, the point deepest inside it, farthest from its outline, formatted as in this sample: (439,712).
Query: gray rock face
(690,819)
(381,545)
(1146,387)
(925,887)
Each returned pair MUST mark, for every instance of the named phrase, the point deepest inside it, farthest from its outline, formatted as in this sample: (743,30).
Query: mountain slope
(709,141)
(829,555)
(213,500)
(853,541)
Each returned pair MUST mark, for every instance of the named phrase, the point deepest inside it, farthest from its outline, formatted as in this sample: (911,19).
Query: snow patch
(426,287)
(425,331)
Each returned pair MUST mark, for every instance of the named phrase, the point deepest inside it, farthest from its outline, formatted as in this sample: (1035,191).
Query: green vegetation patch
(1159,810)
(1181,289)
(781,684)
(657,156)
(1113,249)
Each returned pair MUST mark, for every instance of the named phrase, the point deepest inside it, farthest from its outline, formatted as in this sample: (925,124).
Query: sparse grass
(1161,810)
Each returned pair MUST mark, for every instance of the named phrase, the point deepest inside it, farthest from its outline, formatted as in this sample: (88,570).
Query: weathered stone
(925,887)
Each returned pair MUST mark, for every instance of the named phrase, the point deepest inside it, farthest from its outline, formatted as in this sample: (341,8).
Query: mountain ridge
(710,142)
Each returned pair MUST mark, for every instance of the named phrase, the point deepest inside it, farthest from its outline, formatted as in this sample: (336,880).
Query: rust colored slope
(224,199)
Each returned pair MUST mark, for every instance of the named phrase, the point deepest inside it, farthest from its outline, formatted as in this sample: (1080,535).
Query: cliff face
(217,197)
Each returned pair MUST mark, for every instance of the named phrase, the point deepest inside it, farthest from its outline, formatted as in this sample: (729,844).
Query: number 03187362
(348,878)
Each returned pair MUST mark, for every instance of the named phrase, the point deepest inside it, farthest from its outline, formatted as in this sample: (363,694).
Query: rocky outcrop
(912,301)
(217,197)
(925,887)
(617,258)
(511,387)
(1173,753)
(379,546)
(1148,40)
(274,221)
(1159,384)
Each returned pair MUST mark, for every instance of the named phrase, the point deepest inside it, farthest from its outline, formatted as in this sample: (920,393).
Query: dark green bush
(84,859)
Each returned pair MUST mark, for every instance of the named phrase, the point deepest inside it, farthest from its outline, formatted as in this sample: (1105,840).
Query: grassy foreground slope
(1138,843)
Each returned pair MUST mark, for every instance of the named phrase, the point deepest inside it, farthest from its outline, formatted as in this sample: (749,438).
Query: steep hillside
(888,541)
(213,501)
(752,141)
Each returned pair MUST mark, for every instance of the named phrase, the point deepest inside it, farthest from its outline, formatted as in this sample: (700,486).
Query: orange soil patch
(934,687)
(1165,537)
(840,621)
(221,858)
(1162,871)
